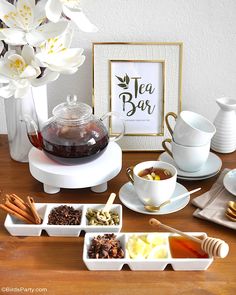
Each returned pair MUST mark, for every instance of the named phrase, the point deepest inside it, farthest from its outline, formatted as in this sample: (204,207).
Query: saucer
(130,199)
(210,168)
(229,181)
(198,178)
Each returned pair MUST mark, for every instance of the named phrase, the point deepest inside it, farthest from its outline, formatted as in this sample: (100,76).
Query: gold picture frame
(166,58)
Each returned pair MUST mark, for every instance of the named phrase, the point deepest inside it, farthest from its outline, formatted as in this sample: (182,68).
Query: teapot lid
(72,110)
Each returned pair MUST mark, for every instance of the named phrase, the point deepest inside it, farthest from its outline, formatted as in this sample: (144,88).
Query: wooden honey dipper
(212,246)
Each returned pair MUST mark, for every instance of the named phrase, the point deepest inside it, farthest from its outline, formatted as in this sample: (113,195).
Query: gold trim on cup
(165,146)
(170,114)
(129,173)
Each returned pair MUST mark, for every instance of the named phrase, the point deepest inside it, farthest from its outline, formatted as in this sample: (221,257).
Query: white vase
(34,104)
(224,140)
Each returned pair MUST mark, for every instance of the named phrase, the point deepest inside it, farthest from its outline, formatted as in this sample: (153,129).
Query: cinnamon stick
(14,213)
(20,200)
(8,197)
(18,203)
(33,210)
(19,211)
(22,210)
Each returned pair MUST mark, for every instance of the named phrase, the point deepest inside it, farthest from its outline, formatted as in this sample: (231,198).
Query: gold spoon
(157,208)
(230,217)
(232,205)
(231,212)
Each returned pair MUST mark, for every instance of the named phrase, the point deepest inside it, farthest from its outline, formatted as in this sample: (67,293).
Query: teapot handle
(32,131)
(115,114)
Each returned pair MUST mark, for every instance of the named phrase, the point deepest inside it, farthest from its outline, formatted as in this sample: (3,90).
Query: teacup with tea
(154,181)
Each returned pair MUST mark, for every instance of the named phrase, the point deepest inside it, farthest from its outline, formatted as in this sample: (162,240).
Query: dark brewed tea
(36,139)
(155,173)
(73,135)
(71,141)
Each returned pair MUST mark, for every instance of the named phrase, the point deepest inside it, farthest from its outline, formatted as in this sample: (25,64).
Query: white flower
(54,9)
(56,55)
(48,76)
(18,72)
(25,23)
(46,51)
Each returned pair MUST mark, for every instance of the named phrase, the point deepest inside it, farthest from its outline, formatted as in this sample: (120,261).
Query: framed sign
(137,92)
(141,82)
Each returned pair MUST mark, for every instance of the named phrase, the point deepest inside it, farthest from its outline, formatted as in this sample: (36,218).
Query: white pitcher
(224,140)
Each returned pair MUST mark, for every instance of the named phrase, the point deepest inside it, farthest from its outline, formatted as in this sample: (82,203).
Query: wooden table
(55,264)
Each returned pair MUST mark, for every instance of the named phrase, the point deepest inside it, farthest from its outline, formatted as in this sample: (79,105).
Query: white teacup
(153,192)
(187,158)
(191,129)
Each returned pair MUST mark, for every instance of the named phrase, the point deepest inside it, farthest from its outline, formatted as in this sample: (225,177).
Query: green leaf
(122,85)
(120,79)
(127,79)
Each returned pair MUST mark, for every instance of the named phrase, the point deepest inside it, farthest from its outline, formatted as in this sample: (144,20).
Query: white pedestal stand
(94,174)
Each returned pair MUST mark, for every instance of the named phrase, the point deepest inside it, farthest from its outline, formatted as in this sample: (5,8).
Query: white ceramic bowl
(63,230)
(103,228)
(18,228)
(143,264)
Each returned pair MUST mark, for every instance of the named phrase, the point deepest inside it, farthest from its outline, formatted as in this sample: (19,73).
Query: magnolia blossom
(56,55)
(25,23)
(46,51)
(19,71)
(71,9)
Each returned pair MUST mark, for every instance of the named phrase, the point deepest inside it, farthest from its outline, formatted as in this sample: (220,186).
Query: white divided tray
(17,228)
(143,264)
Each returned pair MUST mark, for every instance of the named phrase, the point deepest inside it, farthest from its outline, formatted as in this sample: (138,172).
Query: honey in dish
(181,247)
(153,173)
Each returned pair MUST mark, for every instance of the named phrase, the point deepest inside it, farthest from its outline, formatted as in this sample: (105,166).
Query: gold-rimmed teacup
(152,192)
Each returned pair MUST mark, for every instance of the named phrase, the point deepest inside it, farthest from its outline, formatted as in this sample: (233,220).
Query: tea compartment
(142,264)
(18,228)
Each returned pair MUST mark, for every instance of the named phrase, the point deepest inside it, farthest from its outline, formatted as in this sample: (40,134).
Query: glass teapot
(73,133)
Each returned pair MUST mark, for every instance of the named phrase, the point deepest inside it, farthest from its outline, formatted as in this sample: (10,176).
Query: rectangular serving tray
(143,264)
(17,228)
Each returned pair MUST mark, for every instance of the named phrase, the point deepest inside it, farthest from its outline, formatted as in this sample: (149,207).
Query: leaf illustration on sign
(124,81)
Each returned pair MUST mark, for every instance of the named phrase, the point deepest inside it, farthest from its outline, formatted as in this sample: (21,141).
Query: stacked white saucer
(209,169)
